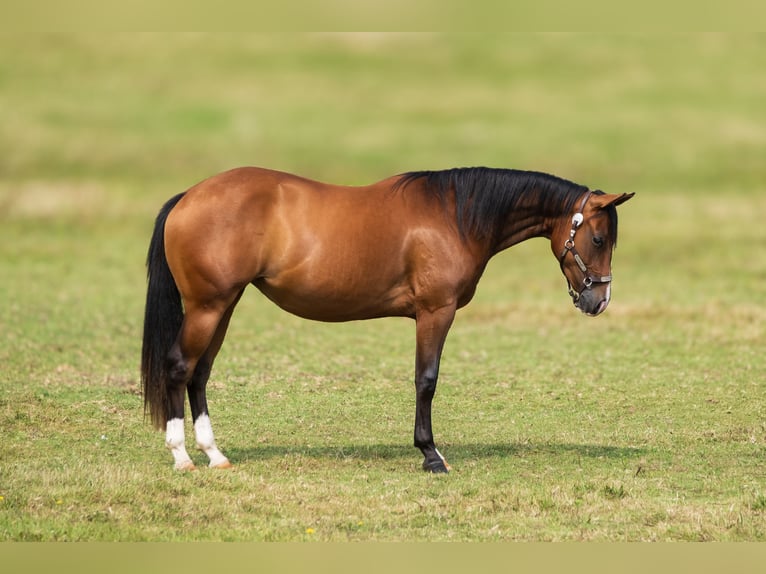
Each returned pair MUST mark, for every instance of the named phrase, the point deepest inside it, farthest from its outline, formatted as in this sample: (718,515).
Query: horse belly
(337,297)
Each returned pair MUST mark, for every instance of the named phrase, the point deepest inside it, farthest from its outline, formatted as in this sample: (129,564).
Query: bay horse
(412,245)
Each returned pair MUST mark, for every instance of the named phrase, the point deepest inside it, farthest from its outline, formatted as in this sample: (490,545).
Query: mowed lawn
(646,423)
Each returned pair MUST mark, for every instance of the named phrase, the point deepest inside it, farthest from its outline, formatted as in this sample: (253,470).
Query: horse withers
(412,245)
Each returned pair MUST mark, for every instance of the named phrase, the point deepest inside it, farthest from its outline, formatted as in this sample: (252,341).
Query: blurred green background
(130,117)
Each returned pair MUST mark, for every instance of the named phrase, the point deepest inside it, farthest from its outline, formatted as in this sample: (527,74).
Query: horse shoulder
(443,267)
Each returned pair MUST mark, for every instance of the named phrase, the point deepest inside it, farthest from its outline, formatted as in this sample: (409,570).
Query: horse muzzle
(590,301)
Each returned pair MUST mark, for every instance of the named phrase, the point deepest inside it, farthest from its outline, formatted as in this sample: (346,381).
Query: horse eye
(598,241)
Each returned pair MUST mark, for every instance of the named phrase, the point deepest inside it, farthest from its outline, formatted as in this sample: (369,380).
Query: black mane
(485,196)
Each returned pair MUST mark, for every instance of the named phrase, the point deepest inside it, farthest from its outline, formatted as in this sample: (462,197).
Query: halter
(569,246)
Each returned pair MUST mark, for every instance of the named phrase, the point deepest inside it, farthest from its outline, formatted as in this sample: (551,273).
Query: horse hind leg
(178,367)
(197,332)
(203,430)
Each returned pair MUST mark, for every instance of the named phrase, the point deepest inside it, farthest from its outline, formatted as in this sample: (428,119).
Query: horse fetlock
(217,458)
(203,432)
(174,441)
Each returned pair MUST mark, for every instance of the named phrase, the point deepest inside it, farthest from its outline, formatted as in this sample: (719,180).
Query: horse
(412,245)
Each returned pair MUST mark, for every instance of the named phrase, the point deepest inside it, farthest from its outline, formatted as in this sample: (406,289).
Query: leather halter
(569,247)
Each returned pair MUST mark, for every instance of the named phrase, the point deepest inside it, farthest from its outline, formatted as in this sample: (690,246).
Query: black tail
(162,321)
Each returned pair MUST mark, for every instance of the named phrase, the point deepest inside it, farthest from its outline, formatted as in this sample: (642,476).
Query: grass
(648,423)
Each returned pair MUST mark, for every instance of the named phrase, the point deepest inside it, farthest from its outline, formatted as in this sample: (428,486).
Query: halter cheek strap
(569,247)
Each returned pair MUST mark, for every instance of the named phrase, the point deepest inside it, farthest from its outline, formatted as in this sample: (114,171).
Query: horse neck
(522,224)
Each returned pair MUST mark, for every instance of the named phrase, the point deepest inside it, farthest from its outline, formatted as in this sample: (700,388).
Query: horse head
(583,243)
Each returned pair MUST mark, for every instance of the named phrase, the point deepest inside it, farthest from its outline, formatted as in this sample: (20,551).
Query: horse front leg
(431,330)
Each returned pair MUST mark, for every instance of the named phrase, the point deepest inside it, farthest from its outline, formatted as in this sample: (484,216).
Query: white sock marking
(174,440)
(203,432)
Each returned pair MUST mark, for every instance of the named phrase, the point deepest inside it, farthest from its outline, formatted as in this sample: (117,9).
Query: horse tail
(162,321)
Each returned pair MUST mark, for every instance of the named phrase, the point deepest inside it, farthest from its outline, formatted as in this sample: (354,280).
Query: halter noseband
(569,246)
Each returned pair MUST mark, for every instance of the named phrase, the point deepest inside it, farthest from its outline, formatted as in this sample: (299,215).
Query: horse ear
(601,201)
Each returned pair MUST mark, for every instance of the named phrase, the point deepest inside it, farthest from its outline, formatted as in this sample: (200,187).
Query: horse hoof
(223,464)
(436,466)
(187,466)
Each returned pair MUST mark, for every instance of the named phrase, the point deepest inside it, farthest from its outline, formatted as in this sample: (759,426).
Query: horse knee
(426,386)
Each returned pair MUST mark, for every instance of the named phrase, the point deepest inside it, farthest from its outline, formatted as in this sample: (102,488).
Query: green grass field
(647,423)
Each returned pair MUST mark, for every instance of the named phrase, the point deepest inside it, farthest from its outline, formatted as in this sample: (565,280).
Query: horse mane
(485,197)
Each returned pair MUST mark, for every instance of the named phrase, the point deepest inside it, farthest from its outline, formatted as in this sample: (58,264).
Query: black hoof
(435,466)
